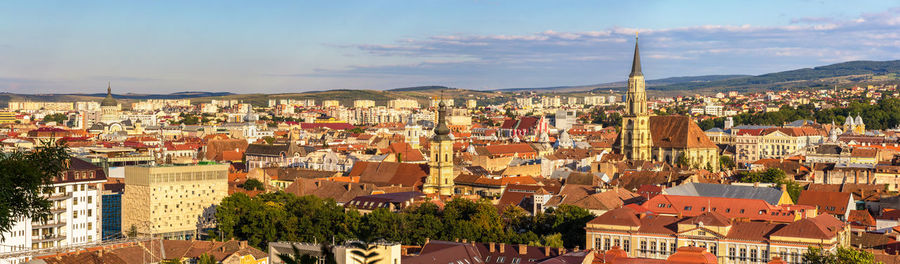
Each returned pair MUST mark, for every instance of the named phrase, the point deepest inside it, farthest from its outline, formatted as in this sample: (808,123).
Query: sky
(298,46)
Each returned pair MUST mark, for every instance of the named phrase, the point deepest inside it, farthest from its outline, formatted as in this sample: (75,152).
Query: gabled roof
(709,219)
(827,202)
(770,195)
(753,209)
(621,217)
(675,131)
(823,226)
(390,173)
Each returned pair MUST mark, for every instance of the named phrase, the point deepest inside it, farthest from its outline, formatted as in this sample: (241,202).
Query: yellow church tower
(635,136)
(440,176)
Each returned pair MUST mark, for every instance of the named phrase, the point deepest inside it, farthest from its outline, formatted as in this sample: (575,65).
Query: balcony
(58,197)
(48,224)
(47,238)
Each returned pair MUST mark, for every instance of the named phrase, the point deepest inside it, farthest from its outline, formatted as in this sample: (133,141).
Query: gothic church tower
(635,136)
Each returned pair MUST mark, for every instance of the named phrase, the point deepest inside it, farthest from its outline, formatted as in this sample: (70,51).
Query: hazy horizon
(285,47)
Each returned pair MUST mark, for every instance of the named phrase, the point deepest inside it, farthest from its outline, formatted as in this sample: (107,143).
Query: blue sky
(295,46)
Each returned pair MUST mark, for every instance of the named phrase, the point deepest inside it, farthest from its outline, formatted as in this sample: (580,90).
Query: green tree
(567,220)
(364,252)
(25,178)
(59,118)
(253,184)
(842,255)
(682,161)
(207,259)
(726,162)
(132,231)
(772,175)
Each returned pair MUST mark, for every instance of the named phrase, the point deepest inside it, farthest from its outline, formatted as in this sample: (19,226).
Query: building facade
(440,176)
(172,202)
(74,216)
(730,240)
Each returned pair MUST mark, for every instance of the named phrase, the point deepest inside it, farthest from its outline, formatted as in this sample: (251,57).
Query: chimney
(523,249)
(427,240)
(465,241)
(756,185)
(642,215)
(243,244)
(561,251)
(491,247)
(546,251)
(576,249)
(502,247)
(349,186)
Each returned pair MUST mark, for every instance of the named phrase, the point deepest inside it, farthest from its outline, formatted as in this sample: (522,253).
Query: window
(753,255)
(714,249)
(500,259)
(687,208)
(652,247)
(731,253)
(743,254)
(74,214)
(626,245)
(90,199)
(673,247)
(606,243)
(643,246)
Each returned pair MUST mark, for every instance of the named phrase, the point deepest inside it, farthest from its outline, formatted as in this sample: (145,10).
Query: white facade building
(75,216)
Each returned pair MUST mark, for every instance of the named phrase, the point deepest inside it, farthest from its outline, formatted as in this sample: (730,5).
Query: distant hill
(664,81)
(853,71)
(178,95)
(419,89)
(822,76)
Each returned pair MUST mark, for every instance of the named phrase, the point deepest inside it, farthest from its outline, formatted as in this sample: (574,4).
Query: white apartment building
(331,103)
(403,103)
(594,100)
(436,101)
(75,216)
(363,103)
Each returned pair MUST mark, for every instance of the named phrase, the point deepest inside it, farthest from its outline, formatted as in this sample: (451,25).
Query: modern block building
(173,202)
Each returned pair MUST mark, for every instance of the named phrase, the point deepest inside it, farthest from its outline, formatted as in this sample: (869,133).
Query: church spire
(108,88)
(636,63)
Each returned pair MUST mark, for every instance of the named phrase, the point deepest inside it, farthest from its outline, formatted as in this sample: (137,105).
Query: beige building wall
(172,201)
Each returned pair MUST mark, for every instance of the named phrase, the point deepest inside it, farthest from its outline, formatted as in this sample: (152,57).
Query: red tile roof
(827,202)
(752,209)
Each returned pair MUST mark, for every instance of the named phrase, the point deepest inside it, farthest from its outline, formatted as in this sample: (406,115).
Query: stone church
(660,138)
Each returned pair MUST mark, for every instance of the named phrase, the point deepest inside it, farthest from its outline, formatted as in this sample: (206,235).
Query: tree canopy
(24,180)
(842,255)
(282,216)
(771,175)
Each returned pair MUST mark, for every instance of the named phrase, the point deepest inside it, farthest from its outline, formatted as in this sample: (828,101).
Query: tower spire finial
(636,63)
(108,88)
